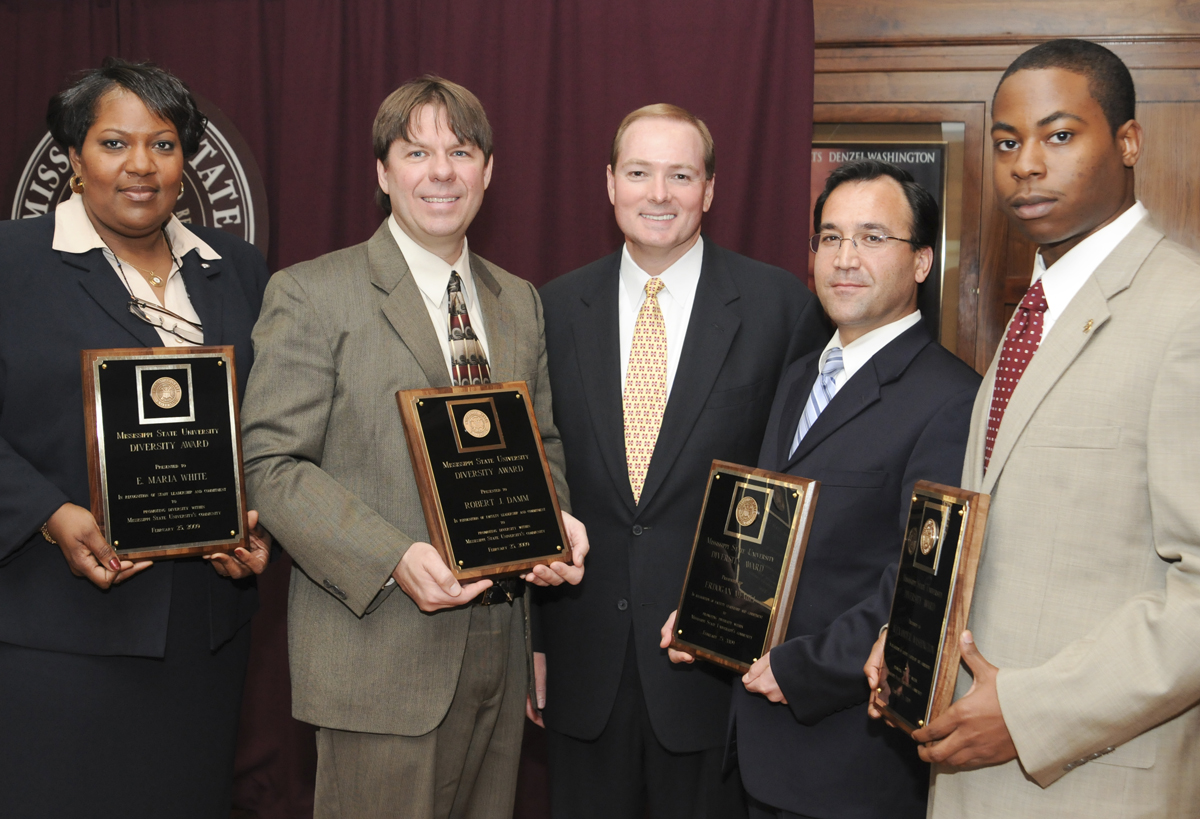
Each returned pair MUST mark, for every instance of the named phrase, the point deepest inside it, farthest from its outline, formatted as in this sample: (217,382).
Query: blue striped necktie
(822,393)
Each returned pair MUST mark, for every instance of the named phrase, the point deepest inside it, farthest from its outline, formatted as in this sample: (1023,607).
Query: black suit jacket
(748,321)
(52,305)
(903,417)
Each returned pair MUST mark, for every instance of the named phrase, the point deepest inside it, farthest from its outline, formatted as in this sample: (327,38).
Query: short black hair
(926,221)
(1109,80)
(72,111)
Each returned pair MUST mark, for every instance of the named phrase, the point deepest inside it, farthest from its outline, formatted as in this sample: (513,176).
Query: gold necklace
(155,279)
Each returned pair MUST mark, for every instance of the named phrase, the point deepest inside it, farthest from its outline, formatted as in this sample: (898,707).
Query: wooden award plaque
(932,601)
(164,450)
(745,565)
(485,485)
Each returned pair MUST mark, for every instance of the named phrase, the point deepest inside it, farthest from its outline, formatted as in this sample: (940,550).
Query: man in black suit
(663,356)
(881,407)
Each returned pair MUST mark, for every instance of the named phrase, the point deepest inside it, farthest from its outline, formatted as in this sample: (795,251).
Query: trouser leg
(465,768)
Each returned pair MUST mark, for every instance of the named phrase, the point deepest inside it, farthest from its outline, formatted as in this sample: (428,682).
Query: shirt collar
(430,271)
(74,233)
(860,351)
(1062,280)
(685,272)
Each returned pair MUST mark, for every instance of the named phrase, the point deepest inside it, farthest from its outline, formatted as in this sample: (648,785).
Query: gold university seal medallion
(165,392)
(476,423)
(747,511)
(929,536)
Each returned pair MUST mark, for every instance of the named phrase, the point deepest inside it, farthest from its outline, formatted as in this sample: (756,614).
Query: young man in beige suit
(1086,433)
(419,693)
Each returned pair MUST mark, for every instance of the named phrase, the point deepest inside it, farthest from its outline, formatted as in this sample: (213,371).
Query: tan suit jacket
(1088,593)
(328,469)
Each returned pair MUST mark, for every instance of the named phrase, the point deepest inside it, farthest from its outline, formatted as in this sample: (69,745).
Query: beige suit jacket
(328,469)
(1088,592)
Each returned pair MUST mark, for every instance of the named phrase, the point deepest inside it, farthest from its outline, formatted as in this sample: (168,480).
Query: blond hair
(665,110)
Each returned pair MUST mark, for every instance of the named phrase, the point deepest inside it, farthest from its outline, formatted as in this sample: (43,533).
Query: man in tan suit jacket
(1088,594)
(418,693)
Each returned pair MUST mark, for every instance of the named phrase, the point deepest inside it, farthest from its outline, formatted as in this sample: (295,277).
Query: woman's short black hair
(926,221)
(73,111)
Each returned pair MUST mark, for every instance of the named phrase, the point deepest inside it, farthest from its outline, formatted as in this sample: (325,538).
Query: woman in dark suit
(120,681)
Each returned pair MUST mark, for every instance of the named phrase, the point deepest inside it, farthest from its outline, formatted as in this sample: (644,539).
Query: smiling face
(864,291)
(658,190)
(1060,174)
(131,164)
(435,183)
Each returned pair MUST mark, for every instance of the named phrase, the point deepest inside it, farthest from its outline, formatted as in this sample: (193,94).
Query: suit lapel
(598,349)
(198,276)
(1083,317)
(795,400)
(710,333)
(973,462)
(96,276)
(404,306)
(862,389)
(498,327)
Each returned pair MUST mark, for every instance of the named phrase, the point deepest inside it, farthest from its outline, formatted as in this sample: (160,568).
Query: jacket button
(622,604)
(637,528)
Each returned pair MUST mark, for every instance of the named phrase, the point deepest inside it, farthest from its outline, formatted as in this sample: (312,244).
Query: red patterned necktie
(468,363)
(645,396)
(1020,343)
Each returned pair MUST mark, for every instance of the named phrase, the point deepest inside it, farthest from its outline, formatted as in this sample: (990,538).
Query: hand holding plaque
(745,566)
(485,485)
(164,450)
(938,561)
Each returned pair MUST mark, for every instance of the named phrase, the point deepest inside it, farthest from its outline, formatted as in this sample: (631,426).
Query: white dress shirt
(1063,279)
(859,352)
(432,275)
(74,233)
(674,300)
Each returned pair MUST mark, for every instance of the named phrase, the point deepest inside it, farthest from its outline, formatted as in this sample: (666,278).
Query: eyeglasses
(867,242)
(158,316)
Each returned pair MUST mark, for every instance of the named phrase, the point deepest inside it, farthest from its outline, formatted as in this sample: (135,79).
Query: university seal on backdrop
(222,186)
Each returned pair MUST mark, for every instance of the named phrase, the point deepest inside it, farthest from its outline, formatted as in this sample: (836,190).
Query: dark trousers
(98,737)
(625,773)
(761,810)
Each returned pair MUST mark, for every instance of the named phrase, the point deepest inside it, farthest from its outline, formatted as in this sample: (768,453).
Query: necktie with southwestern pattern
(822,393)
(468,362)
(645,396)
(1020,343)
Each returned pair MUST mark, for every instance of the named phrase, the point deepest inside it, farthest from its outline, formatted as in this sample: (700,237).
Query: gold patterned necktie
(468,362)
(645,397)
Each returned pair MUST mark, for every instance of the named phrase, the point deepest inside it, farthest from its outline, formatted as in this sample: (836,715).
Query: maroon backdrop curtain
(301,80)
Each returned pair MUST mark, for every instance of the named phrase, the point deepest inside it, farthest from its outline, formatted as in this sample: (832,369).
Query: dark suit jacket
(52,305)
(903,417)
(748,321)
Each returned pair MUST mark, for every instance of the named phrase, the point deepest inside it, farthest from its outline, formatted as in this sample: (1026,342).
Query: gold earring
(77,183)
(181,187)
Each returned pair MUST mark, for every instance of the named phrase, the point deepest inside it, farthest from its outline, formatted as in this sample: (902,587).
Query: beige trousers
(466,768)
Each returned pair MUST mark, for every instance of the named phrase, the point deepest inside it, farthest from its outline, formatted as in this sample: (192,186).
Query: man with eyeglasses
(881,407)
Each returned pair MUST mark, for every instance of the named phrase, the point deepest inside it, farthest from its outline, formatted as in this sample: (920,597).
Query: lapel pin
(204,265)
(1087,326)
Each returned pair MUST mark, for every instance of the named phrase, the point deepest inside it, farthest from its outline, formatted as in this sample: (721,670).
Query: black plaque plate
(486,489)
(164,452)
(932,600)
(741,581)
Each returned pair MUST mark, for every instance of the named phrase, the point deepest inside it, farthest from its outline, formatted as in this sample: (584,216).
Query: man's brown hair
(464,113)
(667,111)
